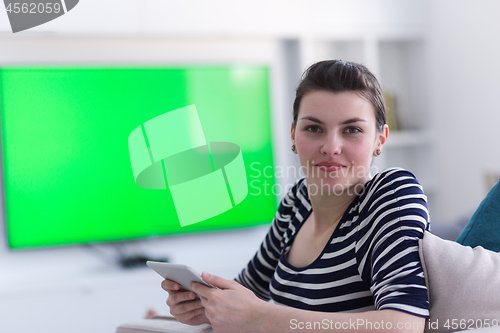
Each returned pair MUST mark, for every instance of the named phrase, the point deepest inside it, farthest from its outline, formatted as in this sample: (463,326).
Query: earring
(293,148)
(378,152)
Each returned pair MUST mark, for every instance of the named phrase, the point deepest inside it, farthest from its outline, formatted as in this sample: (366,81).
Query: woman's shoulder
(392,184)
(395,192)
(391,178)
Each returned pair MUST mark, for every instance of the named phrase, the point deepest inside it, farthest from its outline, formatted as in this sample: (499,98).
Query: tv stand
(138,260)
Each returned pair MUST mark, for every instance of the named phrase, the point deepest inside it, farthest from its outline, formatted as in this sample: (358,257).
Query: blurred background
(438,64)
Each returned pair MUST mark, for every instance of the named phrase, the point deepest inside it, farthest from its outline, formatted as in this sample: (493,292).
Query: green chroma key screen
(67,170)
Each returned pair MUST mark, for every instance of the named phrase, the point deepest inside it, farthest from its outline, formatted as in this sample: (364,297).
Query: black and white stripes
(370,262)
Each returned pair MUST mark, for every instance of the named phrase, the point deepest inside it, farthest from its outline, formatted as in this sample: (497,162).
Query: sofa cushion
(463,285)
(483,228)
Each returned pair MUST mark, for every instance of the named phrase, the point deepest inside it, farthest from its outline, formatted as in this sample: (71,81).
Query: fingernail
(206,275)
(192,295)
(176,286)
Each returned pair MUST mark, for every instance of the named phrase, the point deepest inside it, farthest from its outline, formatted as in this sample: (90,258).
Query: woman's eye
(353,130)
(313,129)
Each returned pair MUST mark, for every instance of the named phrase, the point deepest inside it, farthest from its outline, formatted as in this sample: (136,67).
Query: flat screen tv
(67,169)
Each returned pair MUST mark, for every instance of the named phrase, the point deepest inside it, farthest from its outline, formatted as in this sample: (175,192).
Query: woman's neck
(328,209)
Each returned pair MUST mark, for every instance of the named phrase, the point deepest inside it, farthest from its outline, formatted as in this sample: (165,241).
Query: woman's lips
(330,168)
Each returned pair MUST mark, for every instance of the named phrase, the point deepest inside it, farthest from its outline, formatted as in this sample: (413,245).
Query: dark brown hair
(340,76)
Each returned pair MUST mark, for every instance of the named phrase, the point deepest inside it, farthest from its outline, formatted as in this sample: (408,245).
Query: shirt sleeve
(257,275)
(400,215)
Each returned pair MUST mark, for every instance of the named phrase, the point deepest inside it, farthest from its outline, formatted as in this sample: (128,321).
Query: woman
(342,252)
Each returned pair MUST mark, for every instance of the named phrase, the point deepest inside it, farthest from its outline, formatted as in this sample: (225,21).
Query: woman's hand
(232,308)
(184,305)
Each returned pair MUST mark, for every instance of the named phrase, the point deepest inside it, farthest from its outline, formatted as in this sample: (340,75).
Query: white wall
(464,53)
(277,18)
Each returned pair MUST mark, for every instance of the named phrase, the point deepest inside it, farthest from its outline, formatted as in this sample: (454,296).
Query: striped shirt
(370,262)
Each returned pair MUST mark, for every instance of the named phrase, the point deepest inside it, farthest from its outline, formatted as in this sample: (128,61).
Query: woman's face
(336,138)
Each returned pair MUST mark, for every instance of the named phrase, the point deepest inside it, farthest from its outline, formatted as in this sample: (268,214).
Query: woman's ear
(382,137)
(292,134)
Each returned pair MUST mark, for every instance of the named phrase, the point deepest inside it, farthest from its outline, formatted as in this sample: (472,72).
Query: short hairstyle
(339,76)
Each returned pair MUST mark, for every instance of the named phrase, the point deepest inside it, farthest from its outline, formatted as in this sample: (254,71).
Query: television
(68,163)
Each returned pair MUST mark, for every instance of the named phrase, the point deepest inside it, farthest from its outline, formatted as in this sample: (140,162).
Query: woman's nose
(332,145)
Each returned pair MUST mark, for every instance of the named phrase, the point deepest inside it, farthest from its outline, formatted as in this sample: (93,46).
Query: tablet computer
(181,274)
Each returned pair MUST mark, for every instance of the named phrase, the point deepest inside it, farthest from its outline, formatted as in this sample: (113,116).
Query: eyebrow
(348,121)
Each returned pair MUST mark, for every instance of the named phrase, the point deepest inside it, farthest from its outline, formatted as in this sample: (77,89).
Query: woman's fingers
(170,285)
(200,318)
(176,297)
(193,317)
(184,307)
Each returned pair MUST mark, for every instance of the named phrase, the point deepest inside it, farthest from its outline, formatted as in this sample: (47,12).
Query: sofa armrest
(162,324)
(463,284)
